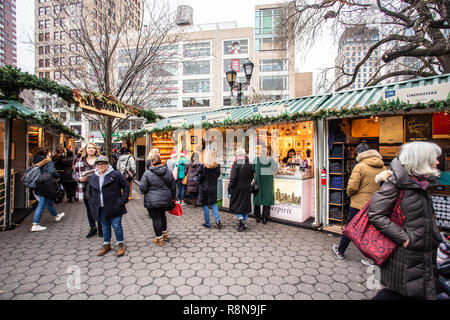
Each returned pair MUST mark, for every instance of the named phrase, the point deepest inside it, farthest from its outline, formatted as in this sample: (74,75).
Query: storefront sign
(271,111)
(289,213)
(110,108)
(218,117)
(288,200)
(423,94)
(419,127)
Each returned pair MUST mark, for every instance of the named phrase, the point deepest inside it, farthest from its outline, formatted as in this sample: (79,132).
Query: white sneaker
(183,203)
(59,216)
(37,227)
(367,262)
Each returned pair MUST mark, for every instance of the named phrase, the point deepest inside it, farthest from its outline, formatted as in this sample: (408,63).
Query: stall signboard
(288,200)
(110,108)
(218,117)
(364,128)
(437,92)
(419,127)
(176,122)
(271,111)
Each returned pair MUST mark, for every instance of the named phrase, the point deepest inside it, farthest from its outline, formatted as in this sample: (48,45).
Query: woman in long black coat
(192,186)
(206,176)
(240,188)
(69,184)
(411,270)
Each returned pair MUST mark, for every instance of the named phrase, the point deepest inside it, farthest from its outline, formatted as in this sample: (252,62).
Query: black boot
(241,226)
(258,219)
(92,232)
(264,220)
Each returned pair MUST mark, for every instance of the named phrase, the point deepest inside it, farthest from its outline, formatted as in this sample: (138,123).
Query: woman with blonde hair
(83,169)
(206,176)
(411,270)
(154,151)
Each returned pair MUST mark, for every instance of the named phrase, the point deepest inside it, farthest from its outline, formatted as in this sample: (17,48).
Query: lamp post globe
(248,69)
(231,78)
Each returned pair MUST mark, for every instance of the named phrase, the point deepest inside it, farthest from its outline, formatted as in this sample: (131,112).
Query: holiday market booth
(283,127)
(384,117)
(22,132)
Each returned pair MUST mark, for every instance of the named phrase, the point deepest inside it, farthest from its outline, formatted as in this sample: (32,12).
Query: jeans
(159,219)
(115,223)
(43,202)
(181,188)
(242,217)
(344,240)
(215,210)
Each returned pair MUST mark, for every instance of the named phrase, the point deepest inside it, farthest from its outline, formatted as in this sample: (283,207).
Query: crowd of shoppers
(409,273)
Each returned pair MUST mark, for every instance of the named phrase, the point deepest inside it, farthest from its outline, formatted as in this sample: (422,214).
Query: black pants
(159,219)
(70,189)
(90,217)
(386,294)
(265,212)
(343,245)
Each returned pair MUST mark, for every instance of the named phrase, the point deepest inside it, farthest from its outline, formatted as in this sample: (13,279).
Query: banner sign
(218,117)
(88,103)
(424,94)
(176,122)
(271,111)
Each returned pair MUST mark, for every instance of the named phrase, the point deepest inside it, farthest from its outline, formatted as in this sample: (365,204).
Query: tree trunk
(108,136)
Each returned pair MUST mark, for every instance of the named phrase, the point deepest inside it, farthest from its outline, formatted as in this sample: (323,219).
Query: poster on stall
(364,128)
(441,125)
(288,200)
(391,130)
(419,127)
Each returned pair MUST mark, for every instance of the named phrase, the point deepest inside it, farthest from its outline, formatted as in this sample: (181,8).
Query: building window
(274,65)
(196,67)
(196,102)
(274,83)
(196,86)
(266,22)
(192,50)
(233,47)
(167,103)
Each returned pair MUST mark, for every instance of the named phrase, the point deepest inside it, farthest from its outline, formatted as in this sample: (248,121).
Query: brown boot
(165,236)
(159,241)
(120,250)
(104,250)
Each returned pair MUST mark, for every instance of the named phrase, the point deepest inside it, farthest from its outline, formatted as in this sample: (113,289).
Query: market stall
(386,128)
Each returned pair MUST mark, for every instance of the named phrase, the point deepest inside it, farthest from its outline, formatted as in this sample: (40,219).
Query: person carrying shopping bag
(182,169)
(108,194)
(159,190)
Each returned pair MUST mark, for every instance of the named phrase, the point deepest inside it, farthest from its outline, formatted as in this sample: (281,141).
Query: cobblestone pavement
(272,261)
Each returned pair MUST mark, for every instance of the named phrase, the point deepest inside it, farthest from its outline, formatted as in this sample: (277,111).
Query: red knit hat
(173,153)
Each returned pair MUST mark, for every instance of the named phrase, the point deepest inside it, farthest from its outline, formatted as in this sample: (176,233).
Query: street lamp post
(239,86)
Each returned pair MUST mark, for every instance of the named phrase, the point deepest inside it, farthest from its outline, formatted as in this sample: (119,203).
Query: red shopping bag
(177,211)
(372,243)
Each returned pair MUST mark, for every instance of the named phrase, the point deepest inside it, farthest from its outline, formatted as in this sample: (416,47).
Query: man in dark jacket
(108,193)
(159,190)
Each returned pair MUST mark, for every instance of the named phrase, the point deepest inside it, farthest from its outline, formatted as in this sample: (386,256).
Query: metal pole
(8,225)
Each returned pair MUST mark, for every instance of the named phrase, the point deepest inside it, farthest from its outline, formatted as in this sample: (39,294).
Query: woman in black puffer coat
(159,189)
(411,271)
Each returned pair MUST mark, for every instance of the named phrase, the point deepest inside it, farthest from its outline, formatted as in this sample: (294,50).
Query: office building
(8,36)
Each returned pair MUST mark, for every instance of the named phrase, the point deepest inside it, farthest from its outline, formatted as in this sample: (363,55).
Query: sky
(209,11)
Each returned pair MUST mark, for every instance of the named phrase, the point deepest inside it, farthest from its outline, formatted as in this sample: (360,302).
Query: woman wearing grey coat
(411,271)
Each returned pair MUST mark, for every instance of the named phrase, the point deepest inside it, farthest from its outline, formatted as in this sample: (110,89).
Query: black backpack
(48,187)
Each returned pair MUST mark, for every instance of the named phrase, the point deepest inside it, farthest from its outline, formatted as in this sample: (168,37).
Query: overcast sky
(241,11)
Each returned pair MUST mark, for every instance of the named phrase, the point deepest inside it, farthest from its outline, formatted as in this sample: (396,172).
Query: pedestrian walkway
(266,262)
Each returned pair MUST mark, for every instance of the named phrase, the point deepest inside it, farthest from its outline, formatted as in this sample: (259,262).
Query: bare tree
(118,49)
(417,30)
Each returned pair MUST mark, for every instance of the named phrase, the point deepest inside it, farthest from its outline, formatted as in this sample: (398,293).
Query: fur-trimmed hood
(371,158)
